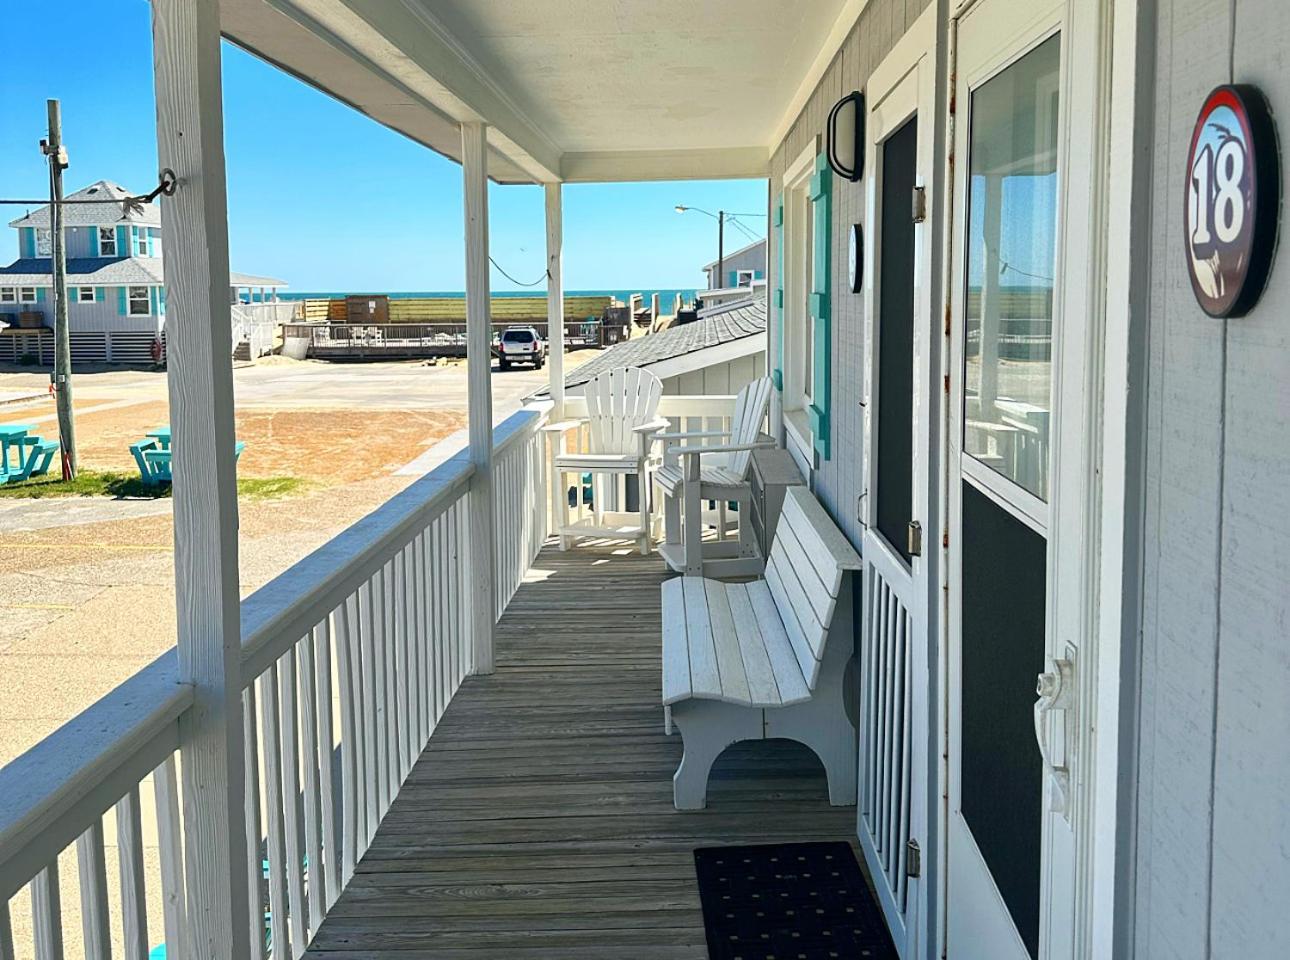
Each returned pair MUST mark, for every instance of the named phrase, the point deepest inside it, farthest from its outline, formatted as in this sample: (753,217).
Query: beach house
(116,283)
(1028,344)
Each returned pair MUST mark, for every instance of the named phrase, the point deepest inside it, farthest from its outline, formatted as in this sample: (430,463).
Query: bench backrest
(745,425)
(805,572)
(617,401)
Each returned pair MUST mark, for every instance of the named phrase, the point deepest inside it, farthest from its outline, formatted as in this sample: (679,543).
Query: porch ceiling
(576,90)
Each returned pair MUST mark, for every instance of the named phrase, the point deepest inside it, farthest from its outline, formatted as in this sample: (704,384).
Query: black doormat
(789,901)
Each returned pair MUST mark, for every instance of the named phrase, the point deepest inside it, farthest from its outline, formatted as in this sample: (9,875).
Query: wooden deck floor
(539,821)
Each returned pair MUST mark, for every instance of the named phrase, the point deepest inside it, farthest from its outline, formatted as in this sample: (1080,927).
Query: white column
(479,364)
(190,141)
(555,295)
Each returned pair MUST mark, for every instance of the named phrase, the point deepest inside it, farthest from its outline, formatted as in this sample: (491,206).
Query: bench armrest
(654,426)
(564,426)
(720,448)
(691,435)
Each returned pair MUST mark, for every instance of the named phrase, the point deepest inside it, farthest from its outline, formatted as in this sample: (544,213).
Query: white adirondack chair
(696,472)
(622,419)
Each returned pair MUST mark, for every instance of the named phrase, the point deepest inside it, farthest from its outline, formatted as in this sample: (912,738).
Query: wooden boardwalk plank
(538,822)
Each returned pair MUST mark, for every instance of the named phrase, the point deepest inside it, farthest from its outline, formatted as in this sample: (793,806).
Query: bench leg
(823,724)
(707,728)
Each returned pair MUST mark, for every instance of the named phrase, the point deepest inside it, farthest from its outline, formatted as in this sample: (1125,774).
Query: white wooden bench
(766,659)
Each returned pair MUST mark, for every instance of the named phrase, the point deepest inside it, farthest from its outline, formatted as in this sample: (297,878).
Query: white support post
(555,296)
(190,141)
(479,365)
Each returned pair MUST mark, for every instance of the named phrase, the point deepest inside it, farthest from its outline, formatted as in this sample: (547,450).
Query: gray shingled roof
(107,272)
(733,322)
(94,214)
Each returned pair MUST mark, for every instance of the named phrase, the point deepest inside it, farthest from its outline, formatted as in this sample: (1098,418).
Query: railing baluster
(368,715)
(399,675)
(277,854)
(309,763)
(255,857)
(390,651)
(350,739)
(465,638)
(439,580)
(170,849)
(411,723)
(134,901)
(423,632)
(295,867)
(379,679)
(47,914)
(326,759)
(96,927)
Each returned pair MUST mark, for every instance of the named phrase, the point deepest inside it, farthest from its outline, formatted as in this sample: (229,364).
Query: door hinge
(947,383)
(915,539)
(913,859)
(920,204)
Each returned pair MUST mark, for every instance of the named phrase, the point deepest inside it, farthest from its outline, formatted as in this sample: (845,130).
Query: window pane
(1011,258)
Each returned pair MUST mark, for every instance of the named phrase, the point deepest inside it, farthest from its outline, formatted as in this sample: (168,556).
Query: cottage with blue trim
(115,283)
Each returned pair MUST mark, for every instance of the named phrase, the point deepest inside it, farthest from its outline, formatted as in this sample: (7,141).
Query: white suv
(521,345)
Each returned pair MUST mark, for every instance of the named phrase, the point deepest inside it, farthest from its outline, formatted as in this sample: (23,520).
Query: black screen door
(896,339)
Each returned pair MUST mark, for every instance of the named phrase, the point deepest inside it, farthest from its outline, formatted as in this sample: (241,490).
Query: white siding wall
(837,481)
(1213,857)
(720,378)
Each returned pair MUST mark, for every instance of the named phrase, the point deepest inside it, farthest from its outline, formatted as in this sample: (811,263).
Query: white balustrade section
(348,661)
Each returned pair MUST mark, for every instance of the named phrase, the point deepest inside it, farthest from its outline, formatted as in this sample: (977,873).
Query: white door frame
(1089,491)
(902,87)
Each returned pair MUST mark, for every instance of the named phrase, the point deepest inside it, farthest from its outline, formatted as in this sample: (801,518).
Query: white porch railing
(348,661)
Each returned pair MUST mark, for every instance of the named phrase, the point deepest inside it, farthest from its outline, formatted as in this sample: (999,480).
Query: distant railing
(370,340)
(348,660)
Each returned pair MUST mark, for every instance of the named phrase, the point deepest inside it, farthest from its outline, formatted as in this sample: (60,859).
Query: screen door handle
(1055,689)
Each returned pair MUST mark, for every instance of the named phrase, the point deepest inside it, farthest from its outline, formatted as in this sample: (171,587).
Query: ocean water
(665,297)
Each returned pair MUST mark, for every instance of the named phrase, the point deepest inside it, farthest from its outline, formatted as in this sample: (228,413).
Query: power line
(546,275)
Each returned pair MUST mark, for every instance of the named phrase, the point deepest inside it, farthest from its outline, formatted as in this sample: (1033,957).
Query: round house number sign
(1233,195)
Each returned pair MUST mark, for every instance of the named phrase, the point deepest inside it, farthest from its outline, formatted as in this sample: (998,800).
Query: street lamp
(720,217)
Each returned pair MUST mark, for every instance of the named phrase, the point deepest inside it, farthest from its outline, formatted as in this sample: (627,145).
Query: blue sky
(320,195)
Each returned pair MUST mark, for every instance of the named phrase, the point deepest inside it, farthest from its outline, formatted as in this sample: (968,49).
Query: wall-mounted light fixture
(845,137)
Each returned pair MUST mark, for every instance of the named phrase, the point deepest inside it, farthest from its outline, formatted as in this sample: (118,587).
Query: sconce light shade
(845,137)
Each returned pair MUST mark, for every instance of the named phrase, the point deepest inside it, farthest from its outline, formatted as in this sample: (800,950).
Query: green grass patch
(107,483)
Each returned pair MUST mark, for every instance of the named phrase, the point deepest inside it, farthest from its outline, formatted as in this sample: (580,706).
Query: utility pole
(721,249)
(61,378)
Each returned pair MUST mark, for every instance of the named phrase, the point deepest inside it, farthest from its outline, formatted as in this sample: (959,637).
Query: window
(44,243)
(140,303)
(84,294)
(8,295)
(1011,263)
(26,294)
(799,267)
(745,278)
(140,235)
(107,242)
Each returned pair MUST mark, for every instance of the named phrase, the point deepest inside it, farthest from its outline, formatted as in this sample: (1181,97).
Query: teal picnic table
(152,454)
(12,435)
(33,455)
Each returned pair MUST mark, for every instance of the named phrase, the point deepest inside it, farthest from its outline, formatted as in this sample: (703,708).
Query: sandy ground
(86,585)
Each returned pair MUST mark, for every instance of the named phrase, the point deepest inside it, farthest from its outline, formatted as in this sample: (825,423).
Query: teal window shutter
(40,294)
(122,242)
(121,306)
(161,300)
(99,294)
(154,303)
(27,242)
(777,323)
(733,278)
(822,245)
